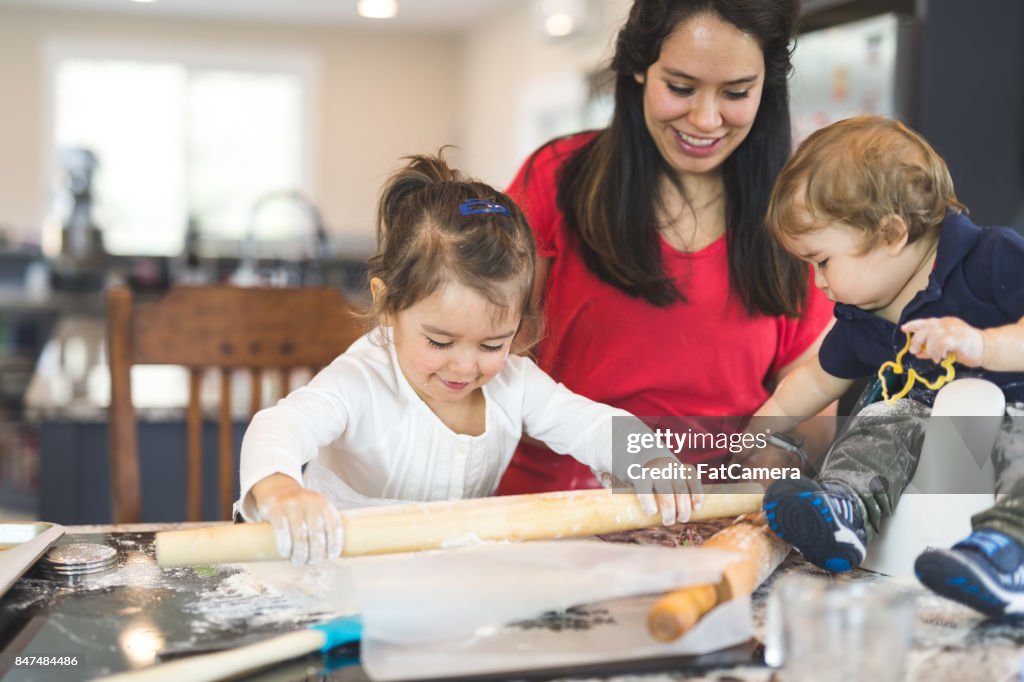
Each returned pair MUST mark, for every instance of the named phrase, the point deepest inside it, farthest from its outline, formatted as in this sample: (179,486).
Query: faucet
(246,273)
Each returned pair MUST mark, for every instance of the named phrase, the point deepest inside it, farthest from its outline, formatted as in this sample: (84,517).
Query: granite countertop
(147,610)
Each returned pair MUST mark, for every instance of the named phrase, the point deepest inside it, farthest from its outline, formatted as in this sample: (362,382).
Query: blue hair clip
(474,206)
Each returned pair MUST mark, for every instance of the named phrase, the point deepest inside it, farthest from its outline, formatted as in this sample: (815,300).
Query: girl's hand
(306,527)
(936,337)
(675,497)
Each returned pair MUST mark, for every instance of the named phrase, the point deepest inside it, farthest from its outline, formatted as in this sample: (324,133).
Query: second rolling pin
(761,552)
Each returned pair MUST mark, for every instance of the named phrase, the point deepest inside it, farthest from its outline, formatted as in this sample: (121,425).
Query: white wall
(383,95)
(511,75)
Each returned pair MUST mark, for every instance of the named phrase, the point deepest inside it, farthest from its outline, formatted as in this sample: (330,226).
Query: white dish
(21,544)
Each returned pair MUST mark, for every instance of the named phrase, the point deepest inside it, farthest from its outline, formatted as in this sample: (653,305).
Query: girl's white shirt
(365,437)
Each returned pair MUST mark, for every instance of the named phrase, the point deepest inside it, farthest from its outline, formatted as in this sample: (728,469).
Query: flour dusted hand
(306,527)
(674,497)
(935,338)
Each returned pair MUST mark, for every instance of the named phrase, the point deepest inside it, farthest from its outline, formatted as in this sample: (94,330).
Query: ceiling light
(558,25)
(560,18)
(143,0)
(377,9)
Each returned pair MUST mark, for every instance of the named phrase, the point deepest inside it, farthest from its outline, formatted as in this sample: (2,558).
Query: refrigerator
(859,67)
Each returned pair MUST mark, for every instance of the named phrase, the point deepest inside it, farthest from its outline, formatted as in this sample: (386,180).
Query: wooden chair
(222,327)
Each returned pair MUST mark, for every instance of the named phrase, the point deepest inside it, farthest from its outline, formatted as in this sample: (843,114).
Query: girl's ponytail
(398,198)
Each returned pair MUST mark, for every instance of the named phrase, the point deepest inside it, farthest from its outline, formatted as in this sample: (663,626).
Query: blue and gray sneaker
(824,522)
(985,571)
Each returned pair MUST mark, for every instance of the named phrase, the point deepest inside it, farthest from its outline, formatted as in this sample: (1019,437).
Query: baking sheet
(123,619)
(21,544)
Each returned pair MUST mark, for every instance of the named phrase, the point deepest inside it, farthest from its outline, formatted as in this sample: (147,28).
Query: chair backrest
(225,328)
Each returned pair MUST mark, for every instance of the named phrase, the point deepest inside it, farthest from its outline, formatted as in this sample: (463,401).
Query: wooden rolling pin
(435,525)
(762,551)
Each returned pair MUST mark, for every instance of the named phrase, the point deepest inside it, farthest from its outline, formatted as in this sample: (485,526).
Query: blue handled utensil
(322,637)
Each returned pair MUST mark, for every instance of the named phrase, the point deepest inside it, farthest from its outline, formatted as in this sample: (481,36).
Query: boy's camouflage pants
(878,451)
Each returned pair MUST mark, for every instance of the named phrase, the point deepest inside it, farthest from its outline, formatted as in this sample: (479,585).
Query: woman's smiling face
(702,95)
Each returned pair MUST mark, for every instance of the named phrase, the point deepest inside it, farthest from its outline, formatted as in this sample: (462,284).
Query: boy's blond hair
(859,171)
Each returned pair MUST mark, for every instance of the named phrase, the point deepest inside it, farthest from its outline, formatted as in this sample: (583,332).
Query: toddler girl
(429,405)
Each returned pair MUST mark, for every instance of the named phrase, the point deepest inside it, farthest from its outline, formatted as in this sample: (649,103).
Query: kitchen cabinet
(74,469)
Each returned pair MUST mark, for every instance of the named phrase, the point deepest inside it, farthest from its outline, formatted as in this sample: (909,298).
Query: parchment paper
(438,596)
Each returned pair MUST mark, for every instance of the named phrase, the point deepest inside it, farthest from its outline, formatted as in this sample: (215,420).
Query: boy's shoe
(984,571)
(823,522)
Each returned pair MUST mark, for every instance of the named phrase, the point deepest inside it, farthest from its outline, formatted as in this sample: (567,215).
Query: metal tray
(21,544)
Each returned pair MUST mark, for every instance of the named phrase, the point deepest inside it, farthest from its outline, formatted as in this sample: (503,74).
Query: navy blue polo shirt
(978,277)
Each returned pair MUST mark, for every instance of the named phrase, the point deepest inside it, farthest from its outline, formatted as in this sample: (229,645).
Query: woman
(662,292)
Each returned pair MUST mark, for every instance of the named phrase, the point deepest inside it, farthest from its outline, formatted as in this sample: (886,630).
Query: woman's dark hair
(608,190)
(435,225)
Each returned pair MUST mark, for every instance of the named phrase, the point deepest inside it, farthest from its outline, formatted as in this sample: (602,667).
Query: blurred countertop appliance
(80,263)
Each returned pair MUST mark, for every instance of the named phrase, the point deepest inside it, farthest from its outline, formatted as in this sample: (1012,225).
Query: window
(177,140)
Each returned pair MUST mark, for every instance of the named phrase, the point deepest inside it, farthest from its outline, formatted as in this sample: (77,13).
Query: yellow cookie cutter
(912,376)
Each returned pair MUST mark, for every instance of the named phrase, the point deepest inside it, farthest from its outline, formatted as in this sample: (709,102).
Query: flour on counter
(274,593)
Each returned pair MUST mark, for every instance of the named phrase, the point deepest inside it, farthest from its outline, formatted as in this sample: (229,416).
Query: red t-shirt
(703,357)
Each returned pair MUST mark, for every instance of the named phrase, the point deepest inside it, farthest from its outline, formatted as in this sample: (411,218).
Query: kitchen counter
(58,302)
(125,619)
